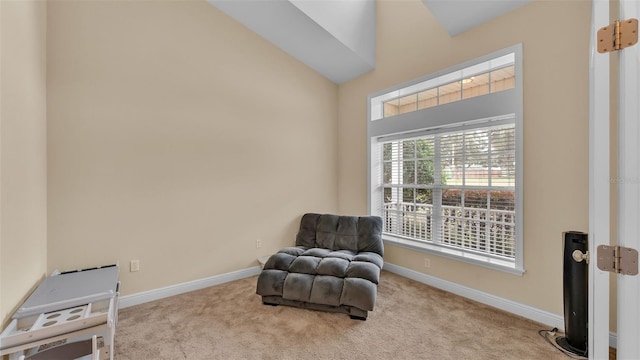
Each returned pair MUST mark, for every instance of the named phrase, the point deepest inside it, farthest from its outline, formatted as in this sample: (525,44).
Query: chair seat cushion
(333,266)
(322,276)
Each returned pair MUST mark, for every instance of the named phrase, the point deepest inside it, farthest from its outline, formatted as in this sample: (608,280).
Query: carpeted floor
(410,321)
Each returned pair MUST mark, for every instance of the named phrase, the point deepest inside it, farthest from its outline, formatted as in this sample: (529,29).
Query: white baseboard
(156,294)
(526,311)
(541,316)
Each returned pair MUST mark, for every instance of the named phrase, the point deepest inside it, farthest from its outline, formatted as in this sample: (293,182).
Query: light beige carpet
(410,321)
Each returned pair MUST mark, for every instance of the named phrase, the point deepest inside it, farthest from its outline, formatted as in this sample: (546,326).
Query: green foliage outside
(471,150)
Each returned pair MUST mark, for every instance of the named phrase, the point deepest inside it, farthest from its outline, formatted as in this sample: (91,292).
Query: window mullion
(396,178)
(487,216)
(464,160)
(415,182)
(461,238)
(490,89)
(487,226)
(436,216)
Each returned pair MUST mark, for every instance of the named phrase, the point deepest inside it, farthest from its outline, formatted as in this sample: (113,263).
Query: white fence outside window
(466,228)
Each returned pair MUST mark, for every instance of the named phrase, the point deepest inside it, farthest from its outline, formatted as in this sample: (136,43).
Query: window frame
(470,112)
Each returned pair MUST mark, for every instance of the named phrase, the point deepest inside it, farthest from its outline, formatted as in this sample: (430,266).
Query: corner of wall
(23,179)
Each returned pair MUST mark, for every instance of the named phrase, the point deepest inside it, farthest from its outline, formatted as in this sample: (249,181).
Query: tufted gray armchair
(335,266)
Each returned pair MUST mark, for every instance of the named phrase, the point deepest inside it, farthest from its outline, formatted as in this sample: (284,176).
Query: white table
(71,313)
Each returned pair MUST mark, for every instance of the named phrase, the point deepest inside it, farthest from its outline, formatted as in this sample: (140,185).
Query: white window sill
(470,258)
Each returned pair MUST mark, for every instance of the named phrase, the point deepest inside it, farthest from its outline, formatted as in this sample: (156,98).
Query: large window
(445,174)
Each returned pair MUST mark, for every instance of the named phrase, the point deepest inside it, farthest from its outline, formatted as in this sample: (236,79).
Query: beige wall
(178,137)
(23,168)
(410,44)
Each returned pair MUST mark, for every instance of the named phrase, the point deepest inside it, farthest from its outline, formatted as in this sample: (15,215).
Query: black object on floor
(575,294)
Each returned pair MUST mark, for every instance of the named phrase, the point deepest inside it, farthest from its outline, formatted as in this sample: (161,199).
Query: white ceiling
(457,16)
(337,38)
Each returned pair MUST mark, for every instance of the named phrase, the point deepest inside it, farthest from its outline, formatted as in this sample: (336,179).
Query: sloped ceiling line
(458,16)
(337,38)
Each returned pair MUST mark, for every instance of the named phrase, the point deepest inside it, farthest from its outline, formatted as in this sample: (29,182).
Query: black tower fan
(575,294)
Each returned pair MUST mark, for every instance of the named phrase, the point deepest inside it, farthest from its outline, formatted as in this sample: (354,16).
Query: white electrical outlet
(134,265)
(427,262)
(258,244)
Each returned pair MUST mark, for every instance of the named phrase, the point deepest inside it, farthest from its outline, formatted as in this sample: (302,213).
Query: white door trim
(599,183)
(629,189)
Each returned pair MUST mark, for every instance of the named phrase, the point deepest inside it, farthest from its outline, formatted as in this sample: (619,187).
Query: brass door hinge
(618,259)
(618,35)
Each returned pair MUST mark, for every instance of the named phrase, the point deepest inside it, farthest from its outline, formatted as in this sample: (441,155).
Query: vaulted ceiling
(458,16)
(337,38)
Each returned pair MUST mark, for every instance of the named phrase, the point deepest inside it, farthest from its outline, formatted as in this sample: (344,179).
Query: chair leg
(270,304)
(354,317)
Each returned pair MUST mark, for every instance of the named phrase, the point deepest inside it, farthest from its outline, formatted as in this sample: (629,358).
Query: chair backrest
(334,232)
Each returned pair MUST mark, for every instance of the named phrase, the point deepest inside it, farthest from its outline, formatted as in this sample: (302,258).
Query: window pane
(407,195)
(386,151)
(476,199)
(451,198)
(425,172)
(503,139)
(451,145)
(501,239)
(390,108)
(503,171)
(424,148)
(408,172)
(424,214)
(408,103)
(449,92)
(502,223)
(475,216)
(392,210)
(503,79)
(452,225)
(476,172)
(451,171)
(386,177)
(408,149)
(424,196)
(476,151)
(387,195)
(427,99)
(475,86)
(502,200)
(408,213)
(476,142)
(451,165)
(503,159)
